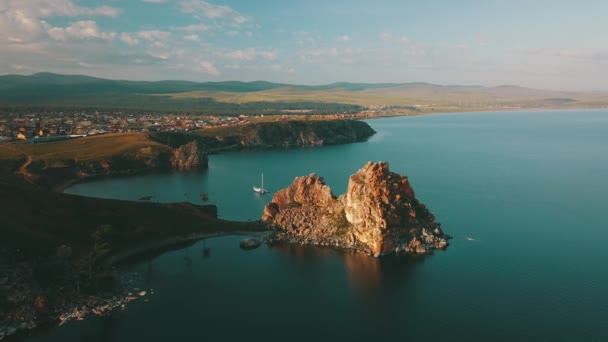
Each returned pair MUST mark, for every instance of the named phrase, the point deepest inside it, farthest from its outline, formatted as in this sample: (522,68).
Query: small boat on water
(260,190)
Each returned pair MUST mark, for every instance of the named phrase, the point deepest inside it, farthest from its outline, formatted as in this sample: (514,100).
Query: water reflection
(309,253)
(370,279)
(364,272)
(206,251)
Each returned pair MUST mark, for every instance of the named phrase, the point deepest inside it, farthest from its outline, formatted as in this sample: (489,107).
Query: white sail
(260,190)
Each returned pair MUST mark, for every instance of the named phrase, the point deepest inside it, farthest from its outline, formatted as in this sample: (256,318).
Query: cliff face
(144,159)
(378,215)
(189,156)
(275,134)
(309,133)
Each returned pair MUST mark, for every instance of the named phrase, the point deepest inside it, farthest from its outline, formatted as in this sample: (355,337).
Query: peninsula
(55,165)
(53,246)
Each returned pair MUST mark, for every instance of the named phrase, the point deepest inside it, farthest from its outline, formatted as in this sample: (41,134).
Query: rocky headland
(61,172)
(272,134)
(189,156)
(378,215)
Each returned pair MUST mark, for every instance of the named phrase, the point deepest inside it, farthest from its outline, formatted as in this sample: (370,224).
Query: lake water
(529,187)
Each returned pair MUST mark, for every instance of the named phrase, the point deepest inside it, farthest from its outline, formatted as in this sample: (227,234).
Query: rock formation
(189,156)
(274,134)
(378,215)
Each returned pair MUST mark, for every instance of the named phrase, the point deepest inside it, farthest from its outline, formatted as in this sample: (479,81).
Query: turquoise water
(529,187)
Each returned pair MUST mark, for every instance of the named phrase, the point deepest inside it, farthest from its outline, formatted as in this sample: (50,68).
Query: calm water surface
(529,187)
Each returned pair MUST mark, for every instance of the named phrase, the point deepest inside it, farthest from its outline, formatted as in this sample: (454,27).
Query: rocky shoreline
(127,287)
(419,247)
(70,306)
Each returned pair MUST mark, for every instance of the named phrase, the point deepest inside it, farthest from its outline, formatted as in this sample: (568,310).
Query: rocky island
(378,215)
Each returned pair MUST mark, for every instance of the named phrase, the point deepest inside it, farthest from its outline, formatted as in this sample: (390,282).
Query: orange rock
(361,218)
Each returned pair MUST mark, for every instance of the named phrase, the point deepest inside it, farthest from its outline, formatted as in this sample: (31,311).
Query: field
(424,97)
(93,148)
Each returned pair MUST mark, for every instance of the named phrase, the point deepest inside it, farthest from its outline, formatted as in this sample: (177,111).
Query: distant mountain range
(48,90)
(55,83)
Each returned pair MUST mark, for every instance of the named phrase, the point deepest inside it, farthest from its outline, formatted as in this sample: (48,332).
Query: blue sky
(542,44)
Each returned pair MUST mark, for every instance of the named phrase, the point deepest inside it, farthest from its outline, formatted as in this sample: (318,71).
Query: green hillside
(49,91)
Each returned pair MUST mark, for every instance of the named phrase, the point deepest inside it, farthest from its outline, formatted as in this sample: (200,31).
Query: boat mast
(262,182)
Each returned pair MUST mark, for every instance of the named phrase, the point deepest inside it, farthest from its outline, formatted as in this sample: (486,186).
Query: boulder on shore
(250,243)
(378,215)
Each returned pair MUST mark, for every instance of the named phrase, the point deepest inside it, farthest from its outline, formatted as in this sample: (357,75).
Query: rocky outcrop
(272,134)
(189,156)
(378,215)
(308,133)
(155,157)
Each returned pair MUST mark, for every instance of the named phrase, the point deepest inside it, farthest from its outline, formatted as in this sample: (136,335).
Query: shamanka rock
(378,215)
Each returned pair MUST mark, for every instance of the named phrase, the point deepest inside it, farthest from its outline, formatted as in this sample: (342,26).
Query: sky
(541,44)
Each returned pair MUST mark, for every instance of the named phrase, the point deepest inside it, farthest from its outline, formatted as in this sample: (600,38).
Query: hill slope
(53,91)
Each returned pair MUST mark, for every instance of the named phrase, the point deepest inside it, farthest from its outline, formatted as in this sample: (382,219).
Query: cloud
(243,55)
(85,29)
(193,28)
(270,55)
(206,67)
(153,35)
(22,21)
(191,38)
(389,37)
(129,39)
(250,54)
(343,38)
(201,8)
(58,8)
(281,68)
(155,1)
(20,67)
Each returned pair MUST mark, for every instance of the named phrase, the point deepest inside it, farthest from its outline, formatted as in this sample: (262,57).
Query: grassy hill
(65,92)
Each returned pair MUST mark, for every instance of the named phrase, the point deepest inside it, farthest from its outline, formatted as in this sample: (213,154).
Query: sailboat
(260,190)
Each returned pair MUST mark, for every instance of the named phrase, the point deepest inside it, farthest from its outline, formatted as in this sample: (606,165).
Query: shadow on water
(154,253)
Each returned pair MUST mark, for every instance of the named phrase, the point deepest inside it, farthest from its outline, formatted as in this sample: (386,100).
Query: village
(39,127)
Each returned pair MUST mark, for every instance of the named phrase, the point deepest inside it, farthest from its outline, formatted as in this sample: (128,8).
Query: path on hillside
(22,168)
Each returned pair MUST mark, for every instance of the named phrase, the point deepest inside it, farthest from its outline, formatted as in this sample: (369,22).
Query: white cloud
(191,38)
(250,54)
(193,28)
(129,39)
(22,21)
(281,68)
(201,8)
(343,38)
(206,67)
(84,29)
(270,55)
(20,67)
(153,35)
(60,8)
(155,1)
(243,55)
